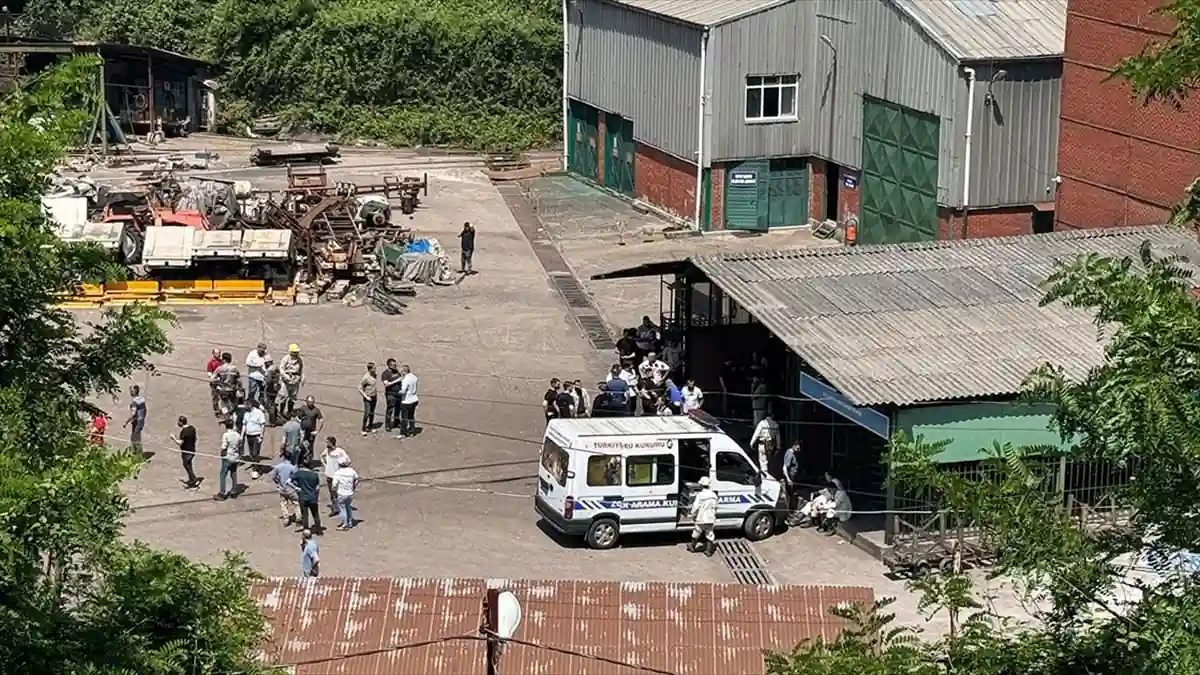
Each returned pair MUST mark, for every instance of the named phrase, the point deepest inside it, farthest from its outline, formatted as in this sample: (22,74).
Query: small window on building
(771,97)
(642,470)
(604,470)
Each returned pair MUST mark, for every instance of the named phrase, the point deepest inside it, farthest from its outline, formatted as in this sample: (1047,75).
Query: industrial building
(143,86)
(1121,162)
(932,339)
(902,114)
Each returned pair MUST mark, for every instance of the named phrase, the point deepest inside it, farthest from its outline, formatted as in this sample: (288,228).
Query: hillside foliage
(481,74)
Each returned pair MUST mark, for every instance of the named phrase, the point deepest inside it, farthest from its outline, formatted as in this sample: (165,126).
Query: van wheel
(603,534)
(759,525)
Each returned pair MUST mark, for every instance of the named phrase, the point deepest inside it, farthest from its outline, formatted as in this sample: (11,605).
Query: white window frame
(762,83)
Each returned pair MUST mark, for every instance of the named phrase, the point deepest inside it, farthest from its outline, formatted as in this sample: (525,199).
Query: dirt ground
(456,499)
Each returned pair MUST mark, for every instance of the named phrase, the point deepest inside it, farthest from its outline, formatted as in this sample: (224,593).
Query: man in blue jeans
(345,482)
(231,443)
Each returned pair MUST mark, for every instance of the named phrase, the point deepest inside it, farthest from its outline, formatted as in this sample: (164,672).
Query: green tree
(75,598)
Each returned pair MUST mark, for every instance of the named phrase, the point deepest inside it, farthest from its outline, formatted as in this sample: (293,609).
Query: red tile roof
(352,626)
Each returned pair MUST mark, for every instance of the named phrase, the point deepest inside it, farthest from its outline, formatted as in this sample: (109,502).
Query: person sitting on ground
(674,396)
(836,511)
(629,374)
(818,503)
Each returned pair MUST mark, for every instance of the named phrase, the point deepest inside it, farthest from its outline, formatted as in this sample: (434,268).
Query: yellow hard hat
(294,348)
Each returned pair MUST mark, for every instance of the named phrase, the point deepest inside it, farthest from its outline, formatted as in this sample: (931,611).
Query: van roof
(630,426)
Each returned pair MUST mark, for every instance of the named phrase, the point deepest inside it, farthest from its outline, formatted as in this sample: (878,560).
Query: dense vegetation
(74,597)
(472,73)
(1140,409)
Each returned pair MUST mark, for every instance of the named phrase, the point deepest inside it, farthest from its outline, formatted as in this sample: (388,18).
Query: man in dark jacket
(308,494)
(467,237)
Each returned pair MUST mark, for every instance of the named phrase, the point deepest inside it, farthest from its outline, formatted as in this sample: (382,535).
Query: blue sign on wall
(867,418)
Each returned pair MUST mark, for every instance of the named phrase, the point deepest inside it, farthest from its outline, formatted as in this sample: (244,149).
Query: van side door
(736,482)
(651,491)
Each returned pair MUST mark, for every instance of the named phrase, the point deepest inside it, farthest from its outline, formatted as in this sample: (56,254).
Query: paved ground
(455,501)
(589,227)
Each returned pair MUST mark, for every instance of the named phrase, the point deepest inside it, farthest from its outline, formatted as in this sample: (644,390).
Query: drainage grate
(597,332)
(572,292)
(744,563)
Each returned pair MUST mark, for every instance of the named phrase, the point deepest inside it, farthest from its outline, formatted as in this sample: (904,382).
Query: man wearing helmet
(704,515)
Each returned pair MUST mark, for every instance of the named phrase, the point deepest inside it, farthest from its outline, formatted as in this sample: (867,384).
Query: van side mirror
(756,479)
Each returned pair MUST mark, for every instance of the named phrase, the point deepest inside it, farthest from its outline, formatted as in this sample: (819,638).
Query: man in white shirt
(256,372)
(253,424)
(408,403)
(345,481)
(693,398)
(231,442)
(630,376)
(332,457)
(765,439)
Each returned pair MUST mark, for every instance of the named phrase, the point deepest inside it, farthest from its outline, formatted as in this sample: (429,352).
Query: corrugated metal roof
(349,626)
(915,323)
(702,12)
(992,29)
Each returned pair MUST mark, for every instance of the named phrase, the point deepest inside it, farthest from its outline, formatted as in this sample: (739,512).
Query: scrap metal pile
(333,241)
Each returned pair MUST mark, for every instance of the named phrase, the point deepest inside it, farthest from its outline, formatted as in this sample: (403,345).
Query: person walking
(311,423)
(281,476)
(310,554)
(292,438)
(791,479)
(467,237)
(254,423)
(231,443)
(408,402)
(228,383)
(765,439)
(291,376)
(368,388)
(214,362)
(186,440)
(271,385)
(256,372)
(391,395)
(137,418)
(345,480)
(704,515)
(332,457)
(308,493)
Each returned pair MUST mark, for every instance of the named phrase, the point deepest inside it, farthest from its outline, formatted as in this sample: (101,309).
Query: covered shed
(930,338)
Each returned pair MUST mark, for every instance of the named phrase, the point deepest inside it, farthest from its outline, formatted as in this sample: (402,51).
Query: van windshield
(554,461)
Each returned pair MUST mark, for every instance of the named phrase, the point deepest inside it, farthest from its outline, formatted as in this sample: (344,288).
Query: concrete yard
(457,499)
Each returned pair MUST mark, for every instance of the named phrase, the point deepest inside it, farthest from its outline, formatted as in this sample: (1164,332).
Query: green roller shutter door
(899,174)
(763,194)
(584,132)
(619,154)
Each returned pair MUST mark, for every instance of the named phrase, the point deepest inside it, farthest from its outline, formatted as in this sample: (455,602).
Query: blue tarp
(418,246)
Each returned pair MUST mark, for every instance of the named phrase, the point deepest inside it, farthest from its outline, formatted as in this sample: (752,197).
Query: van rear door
(553,470)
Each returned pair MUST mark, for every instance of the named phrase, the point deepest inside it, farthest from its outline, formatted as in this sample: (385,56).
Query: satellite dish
(508,615)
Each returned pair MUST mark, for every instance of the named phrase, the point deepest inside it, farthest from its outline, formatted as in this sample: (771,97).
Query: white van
(600,478)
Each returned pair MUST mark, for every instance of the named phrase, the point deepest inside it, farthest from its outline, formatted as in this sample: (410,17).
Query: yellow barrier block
(239,286)
(189,286)
(91,290)
(132,287)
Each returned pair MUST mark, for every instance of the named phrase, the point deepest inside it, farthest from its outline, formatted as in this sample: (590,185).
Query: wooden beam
(35,49)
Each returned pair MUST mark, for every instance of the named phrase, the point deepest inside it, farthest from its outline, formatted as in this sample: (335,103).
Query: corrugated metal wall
(780,41)
(640,67)
(1014,149)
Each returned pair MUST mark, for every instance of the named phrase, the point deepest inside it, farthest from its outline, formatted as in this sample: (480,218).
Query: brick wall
(848,197)
(602,125)
(1002,222)
(1122,163)
(665,181)
(816,189)
(717,211)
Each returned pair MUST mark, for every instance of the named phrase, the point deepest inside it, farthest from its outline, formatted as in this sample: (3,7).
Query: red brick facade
(602,125)
(717,209)
(1001,222)
(665,181)
(848,198)
(1121,163)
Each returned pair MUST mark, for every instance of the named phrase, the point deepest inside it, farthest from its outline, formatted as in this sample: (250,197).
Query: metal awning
(653,269)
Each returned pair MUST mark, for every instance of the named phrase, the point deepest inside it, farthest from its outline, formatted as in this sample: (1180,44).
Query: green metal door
(584,131)
(787,193)
(618,154)
(899,174)
(746,196)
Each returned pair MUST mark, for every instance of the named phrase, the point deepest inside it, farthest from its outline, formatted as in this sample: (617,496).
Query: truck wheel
(603,534)
(759,525)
